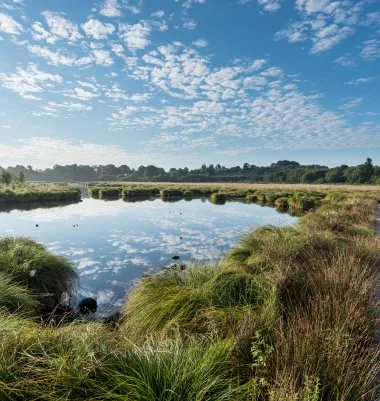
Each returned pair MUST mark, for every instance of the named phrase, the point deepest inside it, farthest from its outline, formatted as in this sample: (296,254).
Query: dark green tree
(21,177)
(6,177)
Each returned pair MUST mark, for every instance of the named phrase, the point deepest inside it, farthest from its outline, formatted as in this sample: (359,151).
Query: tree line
(283,171)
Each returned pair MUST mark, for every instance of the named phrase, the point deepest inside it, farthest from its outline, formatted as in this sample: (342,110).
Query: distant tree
(334,176)
(124,169)
(211,169)
(21,177)
(308,177)
(6,177)
(204,169)
(151,171)
(367,169)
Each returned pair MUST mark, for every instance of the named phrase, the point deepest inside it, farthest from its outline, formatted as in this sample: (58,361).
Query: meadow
(288,314)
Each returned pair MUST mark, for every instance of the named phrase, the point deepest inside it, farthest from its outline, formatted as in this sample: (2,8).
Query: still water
(113,243)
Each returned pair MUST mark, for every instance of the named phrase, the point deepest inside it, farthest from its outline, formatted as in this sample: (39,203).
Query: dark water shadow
(27,206)
(137,199)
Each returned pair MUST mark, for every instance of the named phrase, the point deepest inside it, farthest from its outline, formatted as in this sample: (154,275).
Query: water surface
(113,243)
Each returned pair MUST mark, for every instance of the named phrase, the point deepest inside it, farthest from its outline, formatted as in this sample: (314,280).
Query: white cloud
(99,57)
(44,152)
(325,23)
(97,29)
(81,94)
(54,58)
(9,25)
(157,14)
(69,106)
(117,49)
(346,61)
(363,80)
(351,103)
(189,3)
(61,27)
(201,42)
(327,42)
(103,57)
(190,24)
(267,5)
(371,50)
(135,36)
(27,81)
(111,8)
(270,5)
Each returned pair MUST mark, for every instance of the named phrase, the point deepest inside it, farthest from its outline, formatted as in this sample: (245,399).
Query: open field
(289,314)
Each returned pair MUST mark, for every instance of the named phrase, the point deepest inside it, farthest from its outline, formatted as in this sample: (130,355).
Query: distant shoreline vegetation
(283,171)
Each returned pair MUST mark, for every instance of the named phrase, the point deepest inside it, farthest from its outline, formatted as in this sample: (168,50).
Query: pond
(113,243)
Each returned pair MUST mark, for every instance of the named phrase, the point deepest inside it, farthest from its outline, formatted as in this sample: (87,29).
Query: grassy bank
(29,193)
(289,314)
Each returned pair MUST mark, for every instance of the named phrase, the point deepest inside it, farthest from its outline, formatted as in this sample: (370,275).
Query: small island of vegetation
(15,189)
(289,314)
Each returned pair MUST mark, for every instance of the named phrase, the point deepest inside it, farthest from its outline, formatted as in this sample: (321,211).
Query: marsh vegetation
(288,314)
(28,193)
(304,199)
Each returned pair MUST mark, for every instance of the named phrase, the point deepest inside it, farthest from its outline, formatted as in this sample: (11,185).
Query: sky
(180,83)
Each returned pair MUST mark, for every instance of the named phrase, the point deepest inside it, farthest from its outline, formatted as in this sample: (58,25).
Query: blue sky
(184,82)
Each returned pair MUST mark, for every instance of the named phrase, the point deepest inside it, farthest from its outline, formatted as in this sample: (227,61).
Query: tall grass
(15,297)
(48,277)
(218,198)
(38,193)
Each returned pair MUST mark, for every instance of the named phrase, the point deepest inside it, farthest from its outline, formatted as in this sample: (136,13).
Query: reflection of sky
(117,242)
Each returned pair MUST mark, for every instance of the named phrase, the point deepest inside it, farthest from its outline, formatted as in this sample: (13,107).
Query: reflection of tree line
(6,208)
